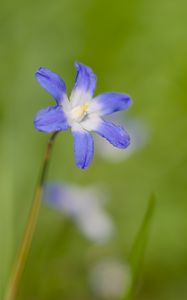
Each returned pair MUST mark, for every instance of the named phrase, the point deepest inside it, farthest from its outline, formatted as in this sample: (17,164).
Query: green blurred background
(138,47)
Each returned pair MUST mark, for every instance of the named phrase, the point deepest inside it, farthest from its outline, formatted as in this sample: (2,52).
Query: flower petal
(110,102)
(84,87)
(83,148)
(115,134)
(52,83)
(53,194)
(51,119)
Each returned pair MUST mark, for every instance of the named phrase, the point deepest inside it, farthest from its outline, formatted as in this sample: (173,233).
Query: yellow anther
(85,107)
(79,112)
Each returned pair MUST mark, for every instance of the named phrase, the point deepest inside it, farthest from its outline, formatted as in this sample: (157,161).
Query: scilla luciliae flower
(81,112)
(85,206)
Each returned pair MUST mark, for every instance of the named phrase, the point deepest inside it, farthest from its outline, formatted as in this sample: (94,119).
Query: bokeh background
(138,47)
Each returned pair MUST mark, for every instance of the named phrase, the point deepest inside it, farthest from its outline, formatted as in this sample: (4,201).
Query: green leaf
(138,249)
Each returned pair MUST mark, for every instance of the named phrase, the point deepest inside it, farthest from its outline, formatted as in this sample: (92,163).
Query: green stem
(31,224)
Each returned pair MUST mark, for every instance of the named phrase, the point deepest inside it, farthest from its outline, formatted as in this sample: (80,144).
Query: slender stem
(30,227)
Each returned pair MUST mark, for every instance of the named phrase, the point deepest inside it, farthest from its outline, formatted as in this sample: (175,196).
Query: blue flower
(85,206)
(81,112)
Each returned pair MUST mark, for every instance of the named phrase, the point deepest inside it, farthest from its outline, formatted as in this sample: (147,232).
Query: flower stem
(31,224)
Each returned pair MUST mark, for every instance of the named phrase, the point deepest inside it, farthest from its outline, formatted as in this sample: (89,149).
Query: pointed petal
(83,148)
(108,103)
(84,87)
(52,83)
(51,119)
(115,134)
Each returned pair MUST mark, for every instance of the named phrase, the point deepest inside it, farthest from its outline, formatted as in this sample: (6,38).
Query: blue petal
(53,194)
(51,119)
(110,102)
(52,83)
(115,134)
(84,87)
(83,148)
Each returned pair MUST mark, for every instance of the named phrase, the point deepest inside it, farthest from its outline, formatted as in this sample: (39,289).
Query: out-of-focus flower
(81,113)
(85,206)
(110,278)
(139,136)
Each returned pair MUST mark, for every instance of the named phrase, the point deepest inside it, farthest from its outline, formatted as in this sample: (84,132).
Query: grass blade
(138,249)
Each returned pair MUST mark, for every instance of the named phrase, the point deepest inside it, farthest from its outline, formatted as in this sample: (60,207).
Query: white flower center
(79,112)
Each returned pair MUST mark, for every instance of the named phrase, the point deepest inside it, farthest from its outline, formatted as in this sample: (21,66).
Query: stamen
(85,107)
(79,112)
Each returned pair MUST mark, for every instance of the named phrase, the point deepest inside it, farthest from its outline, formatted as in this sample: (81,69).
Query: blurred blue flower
(85,206)
(82,113)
